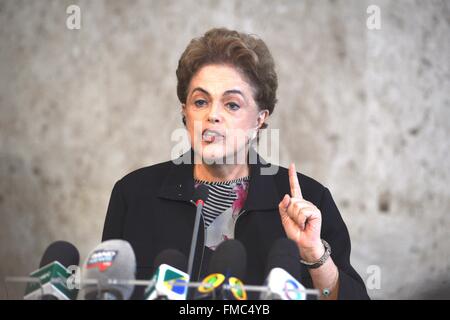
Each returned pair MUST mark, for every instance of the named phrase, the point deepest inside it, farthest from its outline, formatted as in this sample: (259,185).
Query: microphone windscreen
(112,259)
(173,258)
(284,254)
(229,259)
(62,251)
(201,193)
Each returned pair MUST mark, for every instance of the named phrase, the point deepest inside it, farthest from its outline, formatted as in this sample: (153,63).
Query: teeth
(210,135)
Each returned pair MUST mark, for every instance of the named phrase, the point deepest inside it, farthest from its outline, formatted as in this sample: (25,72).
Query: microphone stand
(199,204)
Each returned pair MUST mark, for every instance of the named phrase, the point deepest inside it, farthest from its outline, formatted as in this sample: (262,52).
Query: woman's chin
(213,154)
(218,154)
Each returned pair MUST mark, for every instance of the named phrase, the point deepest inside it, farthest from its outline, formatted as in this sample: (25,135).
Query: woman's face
(221,114)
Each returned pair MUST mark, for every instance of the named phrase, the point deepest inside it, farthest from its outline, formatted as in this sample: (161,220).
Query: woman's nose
(213,118)
(214,114)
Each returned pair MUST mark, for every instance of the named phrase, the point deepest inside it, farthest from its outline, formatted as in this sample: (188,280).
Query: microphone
(283,262)
(169,282)
(111,264)
(53,273)
(200,196)
(227,266)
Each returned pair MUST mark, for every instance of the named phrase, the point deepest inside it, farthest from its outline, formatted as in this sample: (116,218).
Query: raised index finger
(296,192)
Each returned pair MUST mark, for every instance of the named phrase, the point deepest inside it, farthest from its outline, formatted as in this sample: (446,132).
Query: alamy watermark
(373,281)
(230,146)
(373,21)
(73,21)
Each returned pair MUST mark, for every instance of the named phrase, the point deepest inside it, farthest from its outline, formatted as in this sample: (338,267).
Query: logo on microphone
(175,282)
(237,288)
(211,282)
(101,259)
(291,290)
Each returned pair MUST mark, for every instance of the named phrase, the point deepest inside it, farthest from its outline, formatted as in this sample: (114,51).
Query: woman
(227,89)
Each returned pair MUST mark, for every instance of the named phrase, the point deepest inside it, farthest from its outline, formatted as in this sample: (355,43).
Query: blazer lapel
(179,182)
(263,193)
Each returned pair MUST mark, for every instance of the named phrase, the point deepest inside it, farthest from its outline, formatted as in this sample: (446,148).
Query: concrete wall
(365,112)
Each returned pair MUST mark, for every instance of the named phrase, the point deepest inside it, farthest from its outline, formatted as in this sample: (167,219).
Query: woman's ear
(262,117)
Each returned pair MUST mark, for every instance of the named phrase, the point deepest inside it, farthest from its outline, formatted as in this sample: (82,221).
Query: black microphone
(171,257)
(283,272)
(229,258)
(53,273)
(200,196)
(284,254)
(227,266)
(111,260)
(170,279)
(62,251)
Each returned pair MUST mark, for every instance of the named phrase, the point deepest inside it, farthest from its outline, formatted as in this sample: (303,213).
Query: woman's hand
(301,220)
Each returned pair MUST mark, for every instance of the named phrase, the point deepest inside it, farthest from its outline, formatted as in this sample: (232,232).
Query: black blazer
(151,209)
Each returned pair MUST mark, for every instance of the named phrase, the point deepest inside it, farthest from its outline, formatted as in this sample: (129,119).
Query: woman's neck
(220,172)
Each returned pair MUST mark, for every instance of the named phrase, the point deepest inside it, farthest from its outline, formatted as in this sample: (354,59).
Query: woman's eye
(200,103)
(233,106)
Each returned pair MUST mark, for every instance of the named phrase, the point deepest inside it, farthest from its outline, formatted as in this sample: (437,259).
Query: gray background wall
(365,112)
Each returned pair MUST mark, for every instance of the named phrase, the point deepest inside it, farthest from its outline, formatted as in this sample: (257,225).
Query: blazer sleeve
(334,231)
(115,216)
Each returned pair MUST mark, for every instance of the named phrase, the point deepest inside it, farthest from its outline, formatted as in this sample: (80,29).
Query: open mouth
(211,135)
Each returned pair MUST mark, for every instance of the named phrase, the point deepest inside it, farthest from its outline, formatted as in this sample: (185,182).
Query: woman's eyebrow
(228,92)
(234,91)
(201,90)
